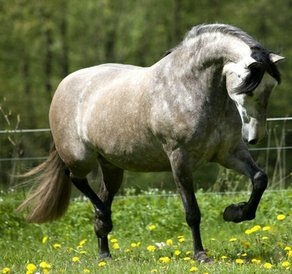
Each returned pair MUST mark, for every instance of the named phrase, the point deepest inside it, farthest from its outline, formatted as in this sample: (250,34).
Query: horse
(204,101)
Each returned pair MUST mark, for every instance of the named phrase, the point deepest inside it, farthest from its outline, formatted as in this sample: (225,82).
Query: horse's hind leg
(243,163)
(110,184)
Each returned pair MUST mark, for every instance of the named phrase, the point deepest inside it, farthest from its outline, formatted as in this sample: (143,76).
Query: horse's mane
(259,53)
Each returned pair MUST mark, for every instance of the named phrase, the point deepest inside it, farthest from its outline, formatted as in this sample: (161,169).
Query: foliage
(42,41)
(150,235)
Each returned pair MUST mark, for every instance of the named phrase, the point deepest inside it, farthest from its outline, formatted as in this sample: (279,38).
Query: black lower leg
(84,187)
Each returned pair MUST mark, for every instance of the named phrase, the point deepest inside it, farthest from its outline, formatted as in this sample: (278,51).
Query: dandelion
(31,268)
(114,241)
(268,265)
(83,252)
(224,257)
(116,246)
(256,261)
(244,254)
(232,239)
(186,258)
(151,248)
(181,239)
(56,246)
(253,229)
(82,242)
(287,248)
(177,252)
(286,264)
(289,253)
(265,238)
(6,270)
(45,239)
(188,252)
(266,228)
(281,217)
(102,264)
(151,227)
(154,270)
(86,270)
(75,259)
(169,242)
(164,260)
(135,245)
(194,269)
(45,265)
(239,261)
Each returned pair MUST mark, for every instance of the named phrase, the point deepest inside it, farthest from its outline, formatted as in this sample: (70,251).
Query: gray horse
(199,103)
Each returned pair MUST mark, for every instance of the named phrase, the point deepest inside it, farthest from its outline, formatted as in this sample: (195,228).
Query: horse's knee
(260,181)
(103,226)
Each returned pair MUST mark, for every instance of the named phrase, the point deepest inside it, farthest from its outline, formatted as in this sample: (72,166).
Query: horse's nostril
(253,141)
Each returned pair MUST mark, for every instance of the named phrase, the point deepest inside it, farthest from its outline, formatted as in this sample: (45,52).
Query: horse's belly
(135,156)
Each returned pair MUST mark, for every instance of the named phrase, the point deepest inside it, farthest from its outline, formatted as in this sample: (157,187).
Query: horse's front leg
(182,174)
(242,162)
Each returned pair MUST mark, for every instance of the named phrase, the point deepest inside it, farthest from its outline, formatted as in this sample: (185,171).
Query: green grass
(22,243)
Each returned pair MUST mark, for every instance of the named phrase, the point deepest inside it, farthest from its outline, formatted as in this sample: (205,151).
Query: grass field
(150,236)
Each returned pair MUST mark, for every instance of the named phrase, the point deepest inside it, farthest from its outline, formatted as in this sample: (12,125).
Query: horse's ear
(275,57)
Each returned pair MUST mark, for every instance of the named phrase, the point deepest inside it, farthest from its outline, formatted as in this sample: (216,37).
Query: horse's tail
(50,199)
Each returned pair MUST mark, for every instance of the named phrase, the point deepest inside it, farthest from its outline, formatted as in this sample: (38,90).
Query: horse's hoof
(236,213)
(202,257)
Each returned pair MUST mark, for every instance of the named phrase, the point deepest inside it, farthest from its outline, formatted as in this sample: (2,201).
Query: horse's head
(249,83)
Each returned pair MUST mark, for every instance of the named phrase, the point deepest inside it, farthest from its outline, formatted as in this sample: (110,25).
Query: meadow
(150,235)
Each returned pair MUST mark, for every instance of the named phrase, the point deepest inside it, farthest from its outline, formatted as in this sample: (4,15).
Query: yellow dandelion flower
(45,239)
(248,231)
(169,242)
(75,259)
(232,239)
(287,248)
(265,238)
(45,265)
(286,264)
(281,217)
(116,246)
(256,261)
(6,270)
(86,270)
(194,269)
(224,257)
(244,254)
(268,265)
(188,252)
(135,245)
(114,240)
(164,260)
(289,253)
(151,248)
(177,252)
(181,239)
(31,267)
(266,228)
(82,252)
(82,242)
(46,270)
(151,227)
(56,246)
(239,261)
(102,264)
(154,270)
(186,258)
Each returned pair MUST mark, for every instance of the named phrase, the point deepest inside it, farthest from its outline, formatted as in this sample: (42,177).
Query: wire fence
(274,154)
